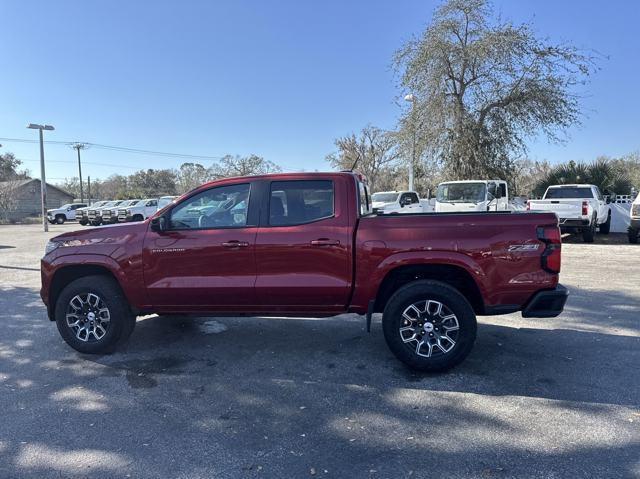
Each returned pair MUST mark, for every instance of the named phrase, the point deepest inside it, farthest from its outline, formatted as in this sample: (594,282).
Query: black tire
(83,222)
(118,328)
(60,219)
(138,218)
(589,233)
(633,235)
(606,226)
(419,292)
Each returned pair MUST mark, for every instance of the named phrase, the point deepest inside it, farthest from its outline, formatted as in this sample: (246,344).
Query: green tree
(10,168)
(483,86)
(602,172)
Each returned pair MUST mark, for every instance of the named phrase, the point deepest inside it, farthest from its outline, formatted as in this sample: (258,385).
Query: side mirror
(608,200)
(159,224)
(69,208)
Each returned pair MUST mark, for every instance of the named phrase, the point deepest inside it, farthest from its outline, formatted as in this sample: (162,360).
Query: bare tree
(374,152)
(190,176)
(482,86)
(8,197)
(236,165)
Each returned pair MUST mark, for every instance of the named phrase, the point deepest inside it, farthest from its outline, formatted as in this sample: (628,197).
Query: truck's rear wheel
(589,233)
(606,226)
(429,326)
(92,315)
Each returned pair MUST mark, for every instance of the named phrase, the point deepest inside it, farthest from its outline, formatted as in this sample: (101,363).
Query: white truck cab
(64,213)
(472,195)
(634,223)
(396,202)
(139,211)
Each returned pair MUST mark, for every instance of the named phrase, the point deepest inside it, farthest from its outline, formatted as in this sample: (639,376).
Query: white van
(472,195)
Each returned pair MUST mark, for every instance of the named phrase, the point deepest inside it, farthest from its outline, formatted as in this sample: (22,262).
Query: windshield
(162,202)
(461,192)
(569,192)
(384,197)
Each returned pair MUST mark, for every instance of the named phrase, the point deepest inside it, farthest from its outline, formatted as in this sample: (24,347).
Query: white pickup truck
(111,215)
(64,213)
(472,195)
(580,209)
(139,211)
(386,202)
(634,224)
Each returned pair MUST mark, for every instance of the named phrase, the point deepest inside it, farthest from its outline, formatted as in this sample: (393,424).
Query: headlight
(128,212)
(635,210)
(51,245)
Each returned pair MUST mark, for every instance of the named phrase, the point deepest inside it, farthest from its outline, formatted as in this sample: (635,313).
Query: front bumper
(635,223)
(547,303)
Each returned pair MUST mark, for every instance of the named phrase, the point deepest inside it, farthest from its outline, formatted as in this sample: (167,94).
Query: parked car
(111,215)
(64,213)
(165,200)
(386,202)
(580,208)
(634,224)
(95,212)
(82,214)
(138,211)
(472,195)
(306,244)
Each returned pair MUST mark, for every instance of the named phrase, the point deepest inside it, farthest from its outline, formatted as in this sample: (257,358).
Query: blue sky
(281,79)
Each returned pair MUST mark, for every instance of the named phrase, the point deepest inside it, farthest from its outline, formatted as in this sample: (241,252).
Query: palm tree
(601,172)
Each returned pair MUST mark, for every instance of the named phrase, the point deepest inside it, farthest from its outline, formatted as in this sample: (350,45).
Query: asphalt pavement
(269,397)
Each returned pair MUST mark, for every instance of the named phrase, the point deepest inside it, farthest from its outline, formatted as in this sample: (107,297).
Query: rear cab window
(298,202)
(569,192)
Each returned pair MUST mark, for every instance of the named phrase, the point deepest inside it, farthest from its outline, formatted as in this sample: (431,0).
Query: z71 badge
(523,247)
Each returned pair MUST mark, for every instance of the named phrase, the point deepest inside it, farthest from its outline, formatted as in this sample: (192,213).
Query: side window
(365,200)
(299,202)
(221,207)
(152,203)
(414,198)
(503,189)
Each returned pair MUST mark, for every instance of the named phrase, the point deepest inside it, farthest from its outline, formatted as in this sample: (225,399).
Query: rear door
(205,260)
(303,246)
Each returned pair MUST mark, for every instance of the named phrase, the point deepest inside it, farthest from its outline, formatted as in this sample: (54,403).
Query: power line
(123,149)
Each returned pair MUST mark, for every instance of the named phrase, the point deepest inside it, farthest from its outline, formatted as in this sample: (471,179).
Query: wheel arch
(67,273)
(453,275)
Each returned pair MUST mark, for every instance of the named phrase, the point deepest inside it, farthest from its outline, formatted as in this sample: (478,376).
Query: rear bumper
(567,224)
(546,304)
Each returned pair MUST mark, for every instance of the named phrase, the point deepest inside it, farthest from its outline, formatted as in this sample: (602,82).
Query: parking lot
(258,397)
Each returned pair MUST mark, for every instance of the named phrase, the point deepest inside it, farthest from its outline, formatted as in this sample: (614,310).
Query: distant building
(26,198)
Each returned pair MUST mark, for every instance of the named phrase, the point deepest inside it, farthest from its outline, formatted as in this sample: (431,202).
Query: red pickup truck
(306,244)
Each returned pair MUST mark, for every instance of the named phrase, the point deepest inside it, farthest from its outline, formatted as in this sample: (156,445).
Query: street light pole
(43,183)
(78,147)
(412,99)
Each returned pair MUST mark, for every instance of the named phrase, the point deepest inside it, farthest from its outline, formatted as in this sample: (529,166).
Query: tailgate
(563,208)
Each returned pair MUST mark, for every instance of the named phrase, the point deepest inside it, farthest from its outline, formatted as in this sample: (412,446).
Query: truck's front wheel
(429,326)
(92,315)
(60,219)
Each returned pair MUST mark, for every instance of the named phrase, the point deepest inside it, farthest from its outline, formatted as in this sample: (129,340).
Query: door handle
(235,244)
(325,242)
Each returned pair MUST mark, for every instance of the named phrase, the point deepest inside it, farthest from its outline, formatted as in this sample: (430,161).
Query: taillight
(551,256)
(585,208)
(528,205)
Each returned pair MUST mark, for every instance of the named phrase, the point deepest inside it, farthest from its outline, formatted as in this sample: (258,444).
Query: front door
(205,260)
(303,247)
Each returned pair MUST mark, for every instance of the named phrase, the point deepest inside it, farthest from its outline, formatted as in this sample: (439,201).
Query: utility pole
(43,181)
(89,189)
(78,147)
